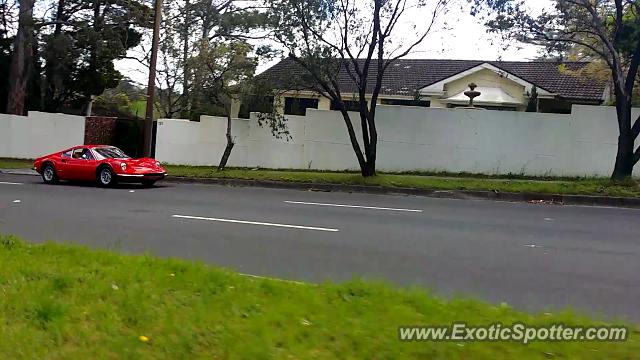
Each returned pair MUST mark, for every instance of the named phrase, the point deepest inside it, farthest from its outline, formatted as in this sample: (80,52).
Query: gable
(484,75)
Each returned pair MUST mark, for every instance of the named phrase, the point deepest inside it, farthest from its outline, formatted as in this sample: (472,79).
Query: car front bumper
(141,177)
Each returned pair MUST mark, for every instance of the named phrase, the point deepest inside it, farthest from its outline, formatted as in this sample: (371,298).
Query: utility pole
(151,88)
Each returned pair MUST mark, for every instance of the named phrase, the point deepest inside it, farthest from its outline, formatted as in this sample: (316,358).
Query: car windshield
(110,153)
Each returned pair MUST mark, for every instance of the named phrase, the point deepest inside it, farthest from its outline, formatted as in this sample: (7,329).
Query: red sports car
(106,164)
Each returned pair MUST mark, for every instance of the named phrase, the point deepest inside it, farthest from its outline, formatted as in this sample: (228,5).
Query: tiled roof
(405,76)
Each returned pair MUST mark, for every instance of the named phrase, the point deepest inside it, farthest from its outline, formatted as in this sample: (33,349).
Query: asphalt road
(534,257)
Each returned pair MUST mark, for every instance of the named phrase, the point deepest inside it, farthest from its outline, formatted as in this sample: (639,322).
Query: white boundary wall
(39,134)
(411,138)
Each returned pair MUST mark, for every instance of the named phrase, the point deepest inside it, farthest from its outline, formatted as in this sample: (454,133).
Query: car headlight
(123,166)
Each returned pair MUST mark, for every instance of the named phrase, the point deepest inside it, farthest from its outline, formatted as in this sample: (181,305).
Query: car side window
(82,154)
(66,154)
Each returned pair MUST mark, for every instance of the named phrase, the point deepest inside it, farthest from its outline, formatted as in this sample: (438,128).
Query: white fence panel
(412,138)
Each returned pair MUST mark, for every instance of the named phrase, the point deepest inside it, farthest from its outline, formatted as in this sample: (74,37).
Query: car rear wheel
(106,177)
(49,174)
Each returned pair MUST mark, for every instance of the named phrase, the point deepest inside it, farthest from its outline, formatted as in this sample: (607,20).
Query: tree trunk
(185,59)
(354,140)
(21,60)
(230,143)
(369,169)
(623,168)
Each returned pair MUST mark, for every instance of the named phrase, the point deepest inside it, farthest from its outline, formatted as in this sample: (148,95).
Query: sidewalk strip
(255,223)
(352,206)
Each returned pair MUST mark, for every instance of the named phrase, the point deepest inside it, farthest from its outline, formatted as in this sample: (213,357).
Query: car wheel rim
(48,174)
(105,176)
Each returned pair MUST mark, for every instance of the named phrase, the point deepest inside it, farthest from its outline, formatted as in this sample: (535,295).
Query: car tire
(106,177)
(148,183)
(49,175)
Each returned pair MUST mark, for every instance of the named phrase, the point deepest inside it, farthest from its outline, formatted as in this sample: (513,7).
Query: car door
(81,165)
(61,164)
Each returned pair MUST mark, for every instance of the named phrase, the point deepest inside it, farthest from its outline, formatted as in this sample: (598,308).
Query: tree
(226,74)
(87,37)
(222,21)
(21,59)
(606,30)
(187,26)
(332,39)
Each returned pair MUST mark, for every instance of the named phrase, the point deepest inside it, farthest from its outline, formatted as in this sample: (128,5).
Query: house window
(299,106)
(349,105)
(402,102)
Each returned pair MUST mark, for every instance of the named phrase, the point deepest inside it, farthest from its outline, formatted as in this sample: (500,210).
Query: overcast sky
(465,38)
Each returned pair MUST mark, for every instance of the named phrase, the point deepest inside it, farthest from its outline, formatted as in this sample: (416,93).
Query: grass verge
(62,301)
(15,163)
(578,186)
(436,181)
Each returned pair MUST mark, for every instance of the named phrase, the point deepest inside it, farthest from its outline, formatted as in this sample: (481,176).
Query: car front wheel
(49,174)
(106,177)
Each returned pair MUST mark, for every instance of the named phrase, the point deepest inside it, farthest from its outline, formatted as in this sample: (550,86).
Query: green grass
(437,181)
(15,163)
(582,186)
(64,301)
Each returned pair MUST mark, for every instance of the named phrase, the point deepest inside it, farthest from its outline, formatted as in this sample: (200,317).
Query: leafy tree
(349,39)
(226,73)
(188,26)
(222,21)
(87,37)
(119,101)
(607,31)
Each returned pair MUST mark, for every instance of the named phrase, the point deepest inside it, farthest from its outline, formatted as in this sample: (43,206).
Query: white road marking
(352,206)
(17,201)
(10,183)
(255,223)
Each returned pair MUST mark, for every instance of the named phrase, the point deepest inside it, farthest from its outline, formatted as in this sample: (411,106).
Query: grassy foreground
(61,301)
(579,186)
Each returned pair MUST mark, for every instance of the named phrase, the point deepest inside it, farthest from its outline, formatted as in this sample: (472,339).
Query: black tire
(148,183)
(49,175)
(106,176)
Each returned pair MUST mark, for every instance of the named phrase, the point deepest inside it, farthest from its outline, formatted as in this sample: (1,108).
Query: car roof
(86,146)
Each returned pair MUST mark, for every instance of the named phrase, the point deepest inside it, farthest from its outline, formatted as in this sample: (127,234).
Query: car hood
(147,162)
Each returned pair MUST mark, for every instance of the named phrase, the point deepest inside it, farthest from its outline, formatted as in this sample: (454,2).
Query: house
(504,85)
